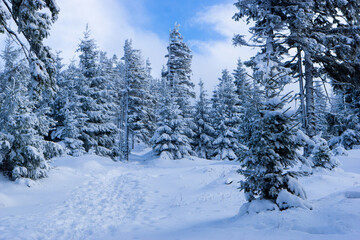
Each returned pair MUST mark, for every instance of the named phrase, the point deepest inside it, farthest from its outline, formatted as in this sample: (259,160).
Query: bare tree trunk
(302,97)
(310,104)
(126,117)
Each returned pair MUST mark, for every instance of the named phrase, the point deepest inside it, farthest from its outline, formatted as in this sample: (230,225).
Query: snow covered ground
(90,197)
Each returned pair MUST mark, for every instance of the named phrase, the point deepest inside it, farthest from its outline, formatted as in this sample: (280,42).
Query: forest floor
(148,198)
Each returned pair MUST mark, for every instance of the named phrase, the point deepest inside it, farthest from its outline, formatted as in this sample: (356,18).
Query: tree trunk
(310,104)
(302,97)
(126,119)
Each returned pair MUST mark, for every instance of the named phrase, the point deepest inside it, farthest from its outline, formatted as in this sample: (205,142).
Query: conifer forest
(105,147)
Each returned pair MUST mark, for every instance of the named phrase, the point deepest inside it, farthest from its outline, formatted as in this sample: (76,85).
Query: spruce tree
(99,131)
(178,77)
(322,155)
(68,112)
(169,140)
(272,151)
(204,134)
(226,119)
(138,103)
(24,152)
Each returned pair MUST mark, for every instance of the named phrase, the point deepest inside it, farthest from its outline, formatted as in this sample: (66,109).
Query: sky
(206,25)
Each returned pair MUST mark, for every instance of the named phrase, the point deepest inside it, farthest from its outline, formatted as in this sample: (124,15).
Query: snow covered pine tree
(29,151)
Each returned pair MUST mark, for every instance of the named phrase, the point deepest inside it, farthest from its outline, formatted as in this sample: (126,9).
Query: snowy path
(148,198)
(131,200)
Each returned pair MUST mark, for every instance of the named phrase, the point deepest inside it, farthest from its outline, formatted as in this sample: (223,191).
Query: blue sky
(206,25)
(162,14)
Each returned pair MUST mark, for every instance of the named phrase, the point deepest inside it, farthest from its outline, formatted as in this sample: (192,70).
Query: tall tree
(204,134)
(138,102)
(226,118)
(272,150)
(99,131)
(67,110)
(178,77)
(24,152)
(169,140)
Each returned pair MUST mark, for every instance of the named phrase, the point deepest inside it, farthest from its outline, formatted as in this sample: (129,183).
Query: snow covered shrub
(321,154)
(53,149)
(339,150)
(272,151)
(349,138)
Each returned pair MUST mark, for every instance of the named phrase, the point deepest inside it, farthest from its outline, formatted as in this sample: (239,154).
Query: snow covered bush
(321,154)
(349,138)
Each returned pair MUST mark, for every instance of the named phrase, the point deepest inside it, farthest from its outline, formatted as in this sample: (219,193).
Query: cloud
(112,21)
(110,25)
(211,57)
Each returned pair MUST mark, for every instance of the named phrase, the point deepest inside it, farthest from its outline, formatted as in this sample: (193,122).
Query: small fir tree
(321,155)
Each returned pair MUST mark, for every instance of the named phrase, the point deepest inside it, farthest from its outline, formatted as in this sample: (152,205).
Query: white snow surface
(90,197)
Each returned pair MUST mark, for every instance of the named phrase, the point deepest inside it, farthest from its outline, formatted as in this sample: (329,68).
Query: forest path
(94,198)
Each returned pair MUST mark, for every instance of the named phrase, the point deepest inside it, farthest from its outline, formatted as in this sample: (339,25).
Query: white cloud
(110,26)
(214,56)
(111,23)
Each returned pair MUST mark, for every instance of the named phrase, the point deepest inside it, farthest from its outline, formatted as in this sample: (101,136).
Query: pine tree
(204,134)
(178,77)
(33,22)
(24,152)
(169,140)
(246,94)
(67,111)
(322,155)
(138,102)
(272,150)
(99,131)
(321,109)
(344,120)
(227,119)
(272,145)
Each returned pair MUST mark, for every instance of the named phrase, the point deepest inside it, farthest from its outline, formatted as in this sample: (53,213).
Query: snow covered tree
(344,119)
(272,151)
(226,119)
(169,140)
(24,152)
(67,111)
(322,155)
(178,74)
(242,83)
(247,95)
(272,145)
(33,23)
(321,109)
(138,102)
(178,77)
(99,130)
(204,134)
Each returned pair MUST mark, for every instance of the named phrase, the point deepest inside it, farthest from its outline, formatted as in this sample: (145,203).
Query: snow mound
(287,200)
(257,206)
(26,181)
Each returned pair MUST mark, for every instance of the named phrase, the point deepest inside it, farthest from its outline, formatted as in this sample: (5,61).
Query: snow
(91,197)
